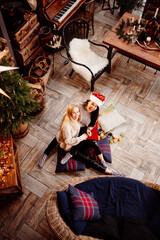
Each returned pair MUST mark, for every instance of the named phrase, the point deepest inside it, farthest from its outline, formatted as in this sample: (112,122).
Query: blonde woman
(89,115)
(70,141)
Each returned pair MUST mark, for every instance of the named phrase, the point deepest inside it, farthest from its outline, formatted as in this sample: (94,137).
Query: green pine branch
(21,105)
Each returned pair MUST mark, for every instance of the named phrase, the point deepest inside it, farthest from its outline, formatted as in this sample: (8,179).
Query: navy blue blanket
(125,197)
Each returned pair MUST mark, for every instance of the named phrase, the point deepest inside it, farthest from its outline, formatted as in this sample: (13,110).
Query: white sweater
(67,137)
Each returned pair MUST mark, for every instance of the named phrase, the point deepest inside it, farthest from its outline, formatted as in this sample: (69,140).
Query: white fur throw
(80,52)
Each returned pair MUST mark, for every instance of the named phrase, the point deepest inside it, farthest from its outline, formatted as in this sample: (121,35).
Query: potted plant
(127,5)
(17,108)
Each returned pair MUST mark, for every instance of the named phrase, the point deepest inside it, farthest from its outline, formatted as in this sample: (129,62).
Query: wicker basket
(58,226)
(42,67)
(22,132)
(38,94)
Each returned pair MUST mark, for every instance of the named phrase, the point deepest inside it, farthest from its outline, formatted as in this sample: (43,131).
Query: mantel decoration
(145,34)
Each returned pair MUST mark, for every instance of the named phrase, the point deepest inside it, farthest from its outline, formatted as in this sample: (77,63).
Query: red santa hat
(97,98)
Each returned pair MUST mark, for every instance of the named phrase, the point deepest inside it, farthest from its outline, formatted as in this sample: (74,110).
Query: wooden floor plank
(135,94)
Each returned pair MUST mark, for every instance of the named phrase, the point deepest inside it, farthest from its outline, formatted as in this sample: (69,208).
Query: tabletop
(150,57)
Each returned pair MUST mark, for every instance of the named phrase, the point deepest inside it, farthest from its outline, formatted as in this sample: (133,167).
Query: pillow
(110,119)
(84,205)
(105,149)
(154,223)
(71,166)
(67,215)
(136,229)
(105,228)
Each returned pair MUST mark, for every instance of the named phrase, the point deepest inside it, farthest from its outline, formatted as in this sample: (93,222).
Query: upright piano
(59,12)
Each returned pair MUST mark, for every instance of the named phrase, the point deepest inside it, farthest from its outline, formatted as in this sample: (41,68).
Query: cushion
(138,229)
(80,52)
(122,197)
(110,119)
(71,166)
(105,149)
(111,228)
(66,213)
(154,222)
(104,228)
(84,205)
(119,197)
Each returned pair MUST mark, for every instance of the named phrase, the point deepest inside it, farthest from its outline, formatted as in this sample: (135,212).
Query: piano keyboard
(66,10)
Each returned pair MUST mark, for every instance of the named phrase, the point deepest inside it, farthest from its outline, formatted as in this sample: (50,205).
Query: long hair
(94,114)
(68,116)
(70,110)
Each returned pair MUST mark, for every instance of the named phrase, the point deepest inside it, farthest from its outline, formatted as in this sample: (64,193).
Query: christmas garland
(125,35)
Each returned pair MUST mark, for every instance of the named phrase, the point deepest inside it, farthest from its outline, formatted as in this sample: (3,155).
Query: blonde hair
(70,110)
(68,115)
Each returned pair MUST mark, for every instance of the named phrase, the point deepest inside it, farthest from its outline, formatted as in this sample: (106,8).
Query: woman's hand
(84,136)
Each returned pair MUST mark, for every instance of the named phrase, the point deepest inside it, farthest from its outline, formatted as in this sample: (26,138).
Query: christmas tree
(20,105)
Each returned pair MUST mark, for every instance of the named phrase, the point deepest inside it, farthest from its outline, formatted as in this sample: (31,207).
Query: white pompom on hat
(97,98)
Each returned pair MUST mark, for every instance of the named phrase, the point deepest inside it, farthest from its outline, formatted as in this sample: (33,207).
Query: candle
(155,15)
(148,39)
(139,28)
(139,21)
(132,19)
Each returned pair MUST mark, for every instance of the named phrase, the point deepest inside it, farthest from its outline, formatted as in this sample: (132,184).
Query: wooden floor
(133,91)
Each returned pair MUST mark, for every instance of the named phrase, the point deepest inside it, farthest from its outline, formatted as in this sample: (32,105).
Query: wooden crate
(31,21)
(10,176)
(23,54)
(44,66)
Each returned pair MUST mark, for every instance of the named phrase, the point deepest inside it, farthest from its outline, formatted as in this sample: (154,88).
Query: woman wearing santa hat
(90,111)
(89,115)
(75,145)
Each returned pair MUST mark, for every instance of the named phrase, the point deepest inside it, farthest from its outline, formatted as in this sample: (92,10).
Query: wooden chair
(111,6)
(89,13)
(83,59)
(150,9)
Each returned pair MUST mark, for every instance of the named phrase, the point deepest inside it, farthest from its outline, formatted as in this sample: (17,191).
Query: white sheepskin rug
(80,52)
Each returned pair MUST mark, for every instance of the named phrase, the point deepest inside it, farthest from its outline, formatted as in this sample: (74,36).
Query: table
(10,177)
(148,57)
(49,49)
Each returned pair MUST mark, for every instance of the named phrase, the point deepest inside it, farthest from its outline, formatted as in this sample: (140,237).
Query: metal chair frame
(79,28)
(111,8)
